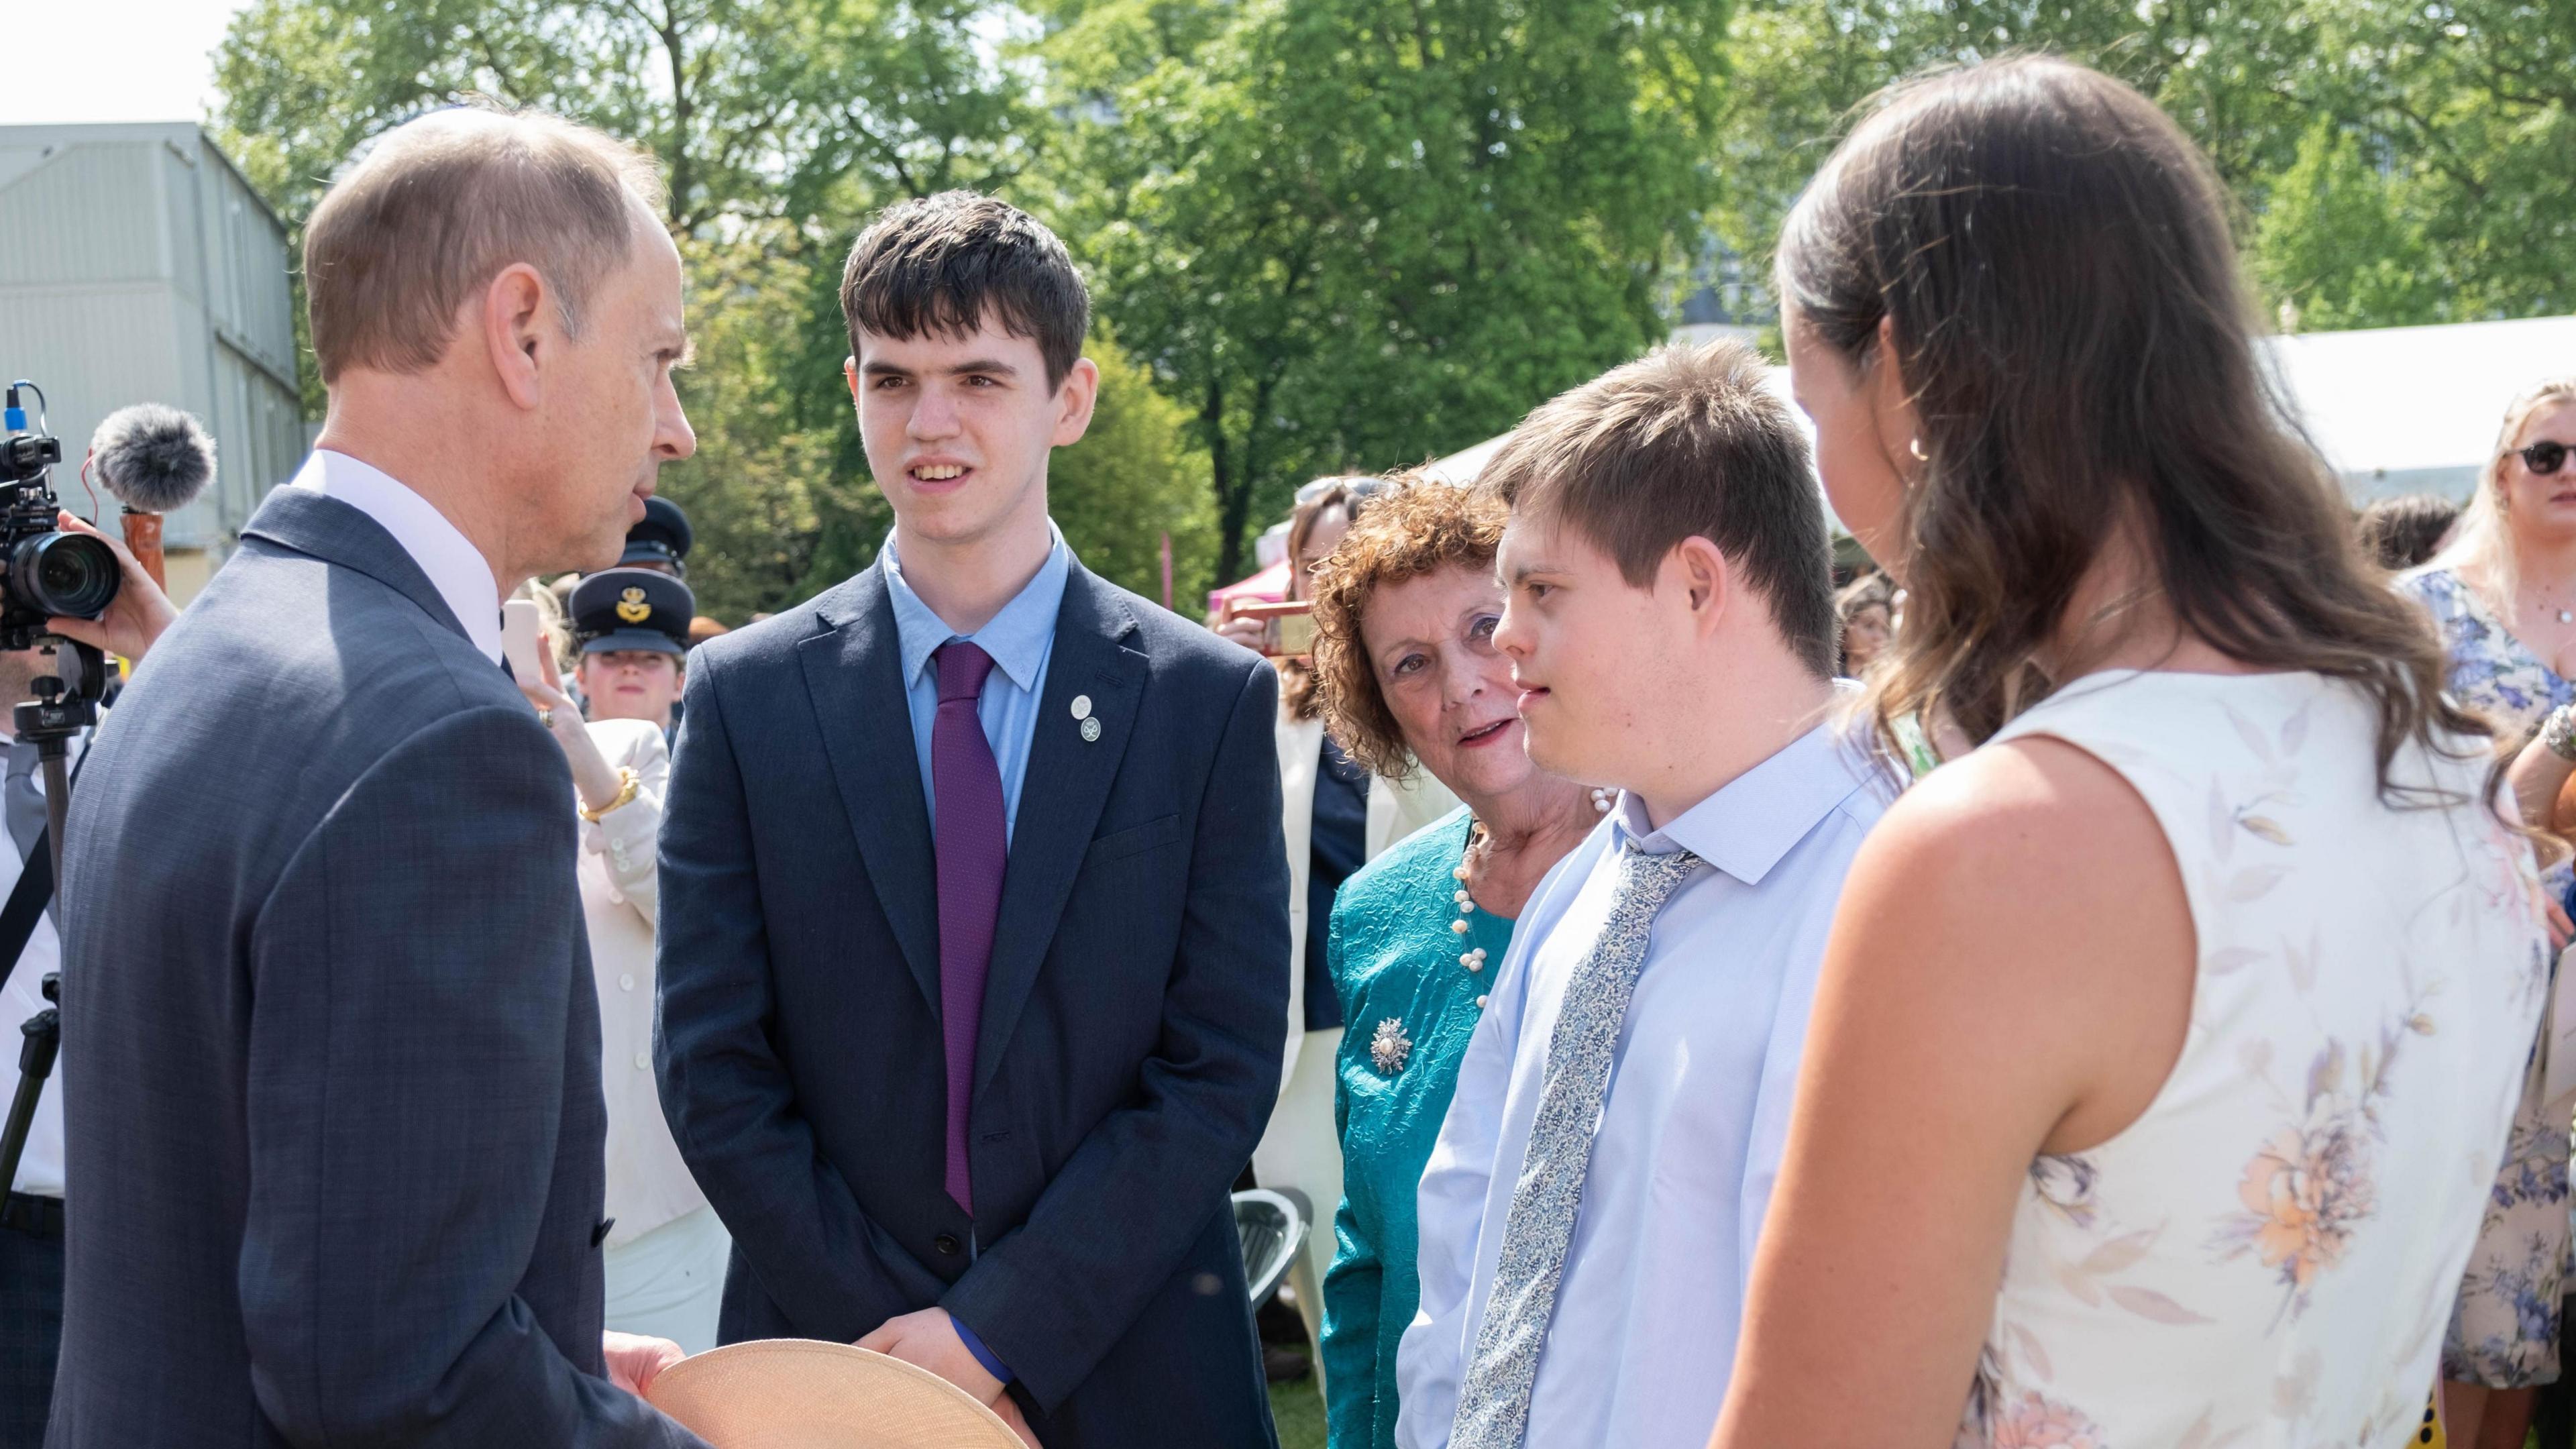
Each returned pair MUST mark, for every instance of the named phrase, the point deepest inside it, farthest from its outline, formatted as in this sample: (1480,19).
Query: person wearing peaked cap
(633,629)
(661,541)
(664,1252)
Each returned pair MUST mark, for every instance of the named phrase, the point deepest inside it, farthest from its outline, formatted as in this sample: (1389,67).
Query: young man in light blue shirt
(1589,1215)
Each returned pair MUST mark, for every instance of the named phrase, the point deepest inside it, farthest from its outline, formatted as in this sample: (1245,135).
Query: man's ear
(1703,579)
(519,331)
(850,374)
(1074,399)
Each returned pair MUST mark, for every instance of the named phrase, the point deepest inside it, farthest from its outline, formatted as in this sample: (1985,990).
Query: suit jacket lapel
(1061,797)
(854,675)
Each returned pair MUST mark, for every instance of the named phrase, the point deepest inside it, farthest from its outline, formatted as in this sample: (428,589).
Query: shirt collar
(456,568)
(1759,816)
(1018,637)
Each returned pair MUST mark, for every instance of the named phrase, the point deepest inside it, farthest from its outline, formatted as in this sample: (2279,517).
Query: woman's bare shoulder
(2029,811)
(2027,889)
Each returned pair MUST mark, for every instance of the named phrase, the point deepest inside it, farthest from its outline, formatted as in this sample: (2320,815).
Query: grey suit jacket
(334,1131)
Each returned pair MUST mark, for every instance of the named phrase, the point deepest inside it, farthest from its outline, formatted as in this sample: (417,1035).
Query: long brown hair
(2053,256)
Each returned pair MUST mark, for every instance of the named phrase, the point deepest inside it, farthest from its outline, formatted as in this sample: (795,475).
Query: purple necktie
(971,847)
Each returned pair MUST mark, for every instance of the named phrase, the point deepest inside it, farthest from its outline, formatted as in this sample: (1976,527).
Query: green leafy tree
(1136,477)
(1360,233)
(780,125)
(2394,162)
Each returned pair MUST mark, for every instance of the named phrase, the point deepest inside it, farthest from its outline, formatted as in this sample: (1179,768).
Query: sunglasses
(2543,458)
(1356,487)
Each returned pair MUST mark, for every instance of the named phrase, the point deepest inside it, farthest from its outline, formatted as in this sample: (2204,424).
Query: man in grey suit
(334,1118)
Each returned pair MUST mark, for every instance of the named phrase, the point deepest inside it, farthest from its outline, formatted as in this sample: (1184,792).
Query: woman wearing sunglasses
(2504,594)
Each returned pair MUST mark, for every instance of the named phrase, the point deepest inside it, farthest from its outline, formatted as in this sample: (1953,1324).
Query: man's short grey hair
(421,224)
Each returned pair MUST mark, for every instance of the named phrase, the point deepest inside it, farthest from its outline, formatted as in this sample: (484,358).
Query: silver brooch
(1091,729)
(1389,1047)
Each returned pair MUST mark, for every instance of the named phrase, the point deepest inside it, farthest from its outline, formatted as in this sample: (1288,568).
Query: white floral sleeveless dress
(2266,1258)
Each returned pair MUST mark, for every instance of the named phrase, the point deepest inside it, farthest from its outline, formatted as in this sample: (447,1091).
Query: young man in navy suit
(974,941)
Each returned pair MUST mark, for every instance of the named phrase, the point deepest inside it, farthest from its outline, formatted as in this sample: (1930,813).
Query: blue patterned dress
(2504,1331)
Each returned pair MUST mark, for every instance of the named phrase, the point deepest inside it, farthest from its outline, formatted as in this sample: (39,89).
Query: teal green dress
(1409,1004)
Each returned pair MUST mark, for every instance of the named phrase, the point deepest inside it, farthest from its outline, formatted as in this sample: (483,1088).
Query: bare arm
(596,780)
(2022,896)
(2539,779)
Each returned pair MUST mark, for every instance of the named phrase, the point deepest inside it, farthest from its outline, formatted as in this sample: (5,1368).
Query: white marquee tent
(2394,409)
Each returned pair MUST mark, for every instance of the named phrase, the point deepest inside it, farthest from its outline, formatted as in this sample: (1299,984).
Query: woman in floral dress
(2167,1037)
(2504,595)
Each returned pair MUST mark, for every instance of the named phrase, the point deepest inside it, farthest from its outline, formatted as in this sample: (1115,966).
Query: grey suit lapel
(1061,797)
(854,675)
(338,533)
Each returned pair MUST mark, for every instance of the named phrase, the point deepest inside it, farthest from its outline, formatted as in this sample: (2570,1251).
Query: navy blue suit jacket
(333,1113)
(1133,1016)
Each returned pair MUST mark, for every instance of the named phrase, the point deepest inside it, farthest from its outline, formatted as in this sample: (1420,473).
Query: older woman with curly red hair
(1409,681)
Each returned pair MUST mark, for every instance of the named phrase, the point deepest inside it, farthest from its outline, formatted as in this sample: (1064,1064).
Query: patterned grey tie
(1493,1402)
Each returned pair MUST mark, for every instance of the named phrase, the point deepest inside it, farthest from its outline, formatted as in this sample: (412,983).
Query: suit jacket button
(947,1244)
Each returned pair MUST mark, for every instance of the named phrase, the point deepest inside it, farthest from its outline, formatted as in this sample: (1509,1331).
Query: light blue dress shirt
(1021,638)
(1691,1133)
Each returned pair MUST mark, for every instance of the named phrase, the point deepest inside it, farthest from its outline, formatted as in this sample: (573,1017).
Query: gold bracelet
(627,785)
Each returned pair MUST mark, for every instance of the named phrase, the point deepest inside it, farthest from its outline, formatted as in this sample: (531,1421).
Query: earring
(1915,446)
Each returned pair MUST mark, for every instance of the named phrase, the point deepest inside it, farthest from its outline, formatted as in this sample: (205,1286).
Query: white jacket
(1396,809)
(648,1184)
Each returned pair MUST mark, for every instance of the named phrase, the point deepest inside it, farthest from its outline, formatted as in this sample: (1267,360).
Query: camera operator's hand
(592,775)
(138,616)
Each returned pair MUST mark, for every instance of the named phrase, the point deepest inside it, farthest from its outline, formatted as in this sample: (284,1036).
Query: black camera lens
(63,575)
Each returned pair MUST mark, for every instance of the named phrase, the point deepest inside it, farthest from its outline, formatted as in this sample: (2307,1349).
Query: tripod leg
(44,1034)
(58,804)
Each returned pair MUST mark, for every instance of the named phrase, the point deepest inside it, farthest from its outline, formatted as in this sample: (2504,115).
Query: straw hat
(795,1393)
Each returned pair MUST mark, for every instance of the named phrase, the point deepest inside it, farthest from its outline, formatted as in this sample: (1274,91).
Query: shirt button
(643,1061)
(947,1244)
(626,982)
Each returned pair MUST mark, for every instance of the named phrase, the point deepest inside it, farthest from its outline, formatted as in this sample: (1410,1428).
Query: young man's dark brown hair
(940,263)
(1684,442)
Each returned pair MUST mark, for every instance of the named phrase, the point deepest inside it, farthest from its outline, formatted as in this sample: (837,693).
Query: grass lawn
(1299,1411)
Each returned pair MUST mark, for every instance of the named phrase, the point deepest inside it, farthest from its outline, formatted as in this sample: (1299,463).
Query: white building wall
(138,266)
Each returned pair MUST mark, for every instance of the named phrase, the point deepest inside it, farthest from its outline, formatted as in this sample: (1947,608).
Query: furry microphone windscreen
(155,459)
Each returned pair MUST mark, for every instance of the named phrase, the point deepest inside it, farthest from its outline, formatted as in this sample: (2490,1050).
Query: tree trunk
(1233,494)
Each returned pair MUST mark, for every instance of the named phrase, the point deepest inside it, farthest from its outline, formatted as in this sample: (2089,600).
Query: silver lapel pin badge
(1090,730)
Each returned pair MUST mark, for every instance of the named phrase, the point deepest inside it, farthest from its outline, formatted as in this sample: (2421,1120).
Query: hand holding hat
(634,1360)
(929,1339)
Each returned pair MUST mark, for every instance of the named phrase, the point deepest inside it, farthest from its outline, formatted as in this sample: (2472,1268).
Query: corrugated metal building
(137,265)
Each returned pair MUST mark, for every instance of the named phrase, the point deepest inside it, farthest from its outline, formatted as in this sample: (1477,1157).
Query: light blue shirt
(1691,1133)
(1021,638)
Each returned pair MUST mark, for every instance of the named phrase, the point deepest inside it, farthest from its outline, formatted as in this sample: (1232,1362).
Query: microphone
(154,459)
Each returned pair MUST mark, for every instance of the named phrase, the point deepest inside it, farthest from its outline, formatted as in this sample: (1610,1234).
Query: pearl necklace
(1473,958)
